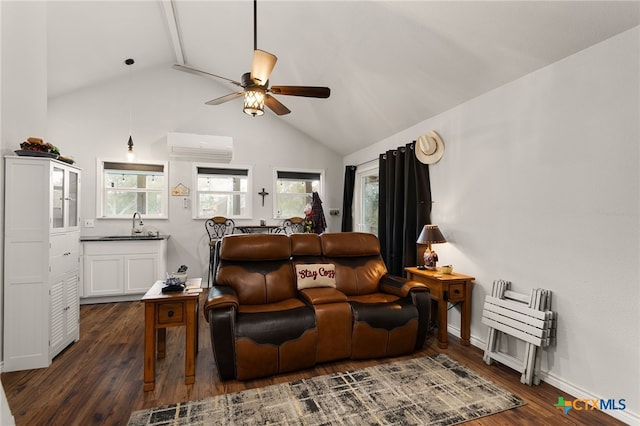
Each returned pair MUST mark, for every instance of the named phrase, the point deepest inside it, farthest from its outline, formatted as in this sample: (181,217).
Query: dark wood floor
(98,380)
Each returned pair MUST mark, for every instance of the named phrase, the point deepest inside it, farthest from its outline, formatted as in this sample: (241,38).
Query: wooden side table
(447,288)
(163,310)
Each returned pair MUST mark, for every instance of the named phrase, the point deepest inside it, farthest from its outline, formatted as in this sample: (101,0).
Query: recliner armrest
(400,286)
(322,295)
(220,297)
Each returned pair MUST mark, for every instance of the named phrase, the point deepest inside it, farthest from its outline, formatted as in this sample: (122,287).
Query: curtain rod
(363,163)
(411,146)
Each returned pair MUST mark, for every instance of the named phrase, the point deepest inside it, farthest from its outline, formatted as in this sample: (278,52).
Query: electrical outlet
(334,212)
(88,223)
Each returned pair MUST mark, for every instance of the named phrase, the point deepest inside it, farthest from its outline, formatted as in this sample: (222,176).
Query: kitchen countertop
(100,238)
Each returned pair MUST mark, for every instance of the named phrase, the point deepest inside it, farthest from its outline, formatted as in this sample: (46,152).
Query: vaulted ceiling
(389,64)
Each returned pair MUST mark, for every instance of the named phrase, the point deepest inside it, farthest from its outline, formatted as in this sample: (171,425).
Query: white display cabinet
(42,260)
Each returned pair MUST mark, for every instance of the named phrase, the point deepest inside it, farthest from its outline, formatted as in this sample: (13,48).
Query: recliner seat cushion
(383,329)
(273,342)
(275,327)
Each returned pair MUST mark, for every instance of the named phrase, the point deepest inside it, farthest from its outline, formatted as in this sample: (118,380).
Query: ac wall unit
(189,146)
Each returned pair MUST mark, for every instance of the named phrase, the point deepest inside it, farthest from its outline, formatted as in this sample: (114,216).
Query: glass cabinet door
(72,198)
(58,214)
(65,187)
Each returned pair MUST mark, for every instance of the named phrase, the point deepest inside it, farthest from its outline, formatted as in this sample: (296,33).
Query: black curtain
(405,206)
(347,198)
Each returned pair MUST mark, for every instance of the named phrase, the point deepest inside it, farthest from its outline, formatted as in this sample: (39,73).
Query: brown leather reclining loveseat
(282,303)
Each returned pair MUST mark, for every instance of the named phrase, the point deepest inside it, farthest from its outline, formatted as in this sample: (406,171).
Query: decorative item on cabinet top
(36,147)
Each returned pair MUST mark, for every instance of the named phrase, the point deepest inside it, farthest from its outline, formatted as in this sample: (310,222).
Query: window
(125,188)
(366,198)
(222,191)
(294,189)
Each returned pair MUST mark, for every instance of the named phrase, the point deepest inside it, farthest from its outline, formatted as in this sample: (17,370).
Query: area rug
(423,391)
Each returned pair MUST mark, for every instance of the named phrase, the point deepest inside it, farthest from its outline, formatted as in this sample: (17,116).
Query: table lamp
(430,235)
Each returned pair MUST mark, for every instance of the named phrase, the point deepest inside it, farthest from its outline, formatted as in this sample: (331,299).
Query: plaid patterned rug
(422,391)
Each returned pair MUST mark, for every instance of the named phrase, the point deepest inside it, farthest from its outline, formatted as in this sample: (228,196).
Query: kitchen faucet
(134,229)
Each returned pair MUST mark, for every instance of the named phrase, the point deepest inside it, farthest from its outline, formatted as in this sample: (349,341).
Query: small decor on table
(447,269)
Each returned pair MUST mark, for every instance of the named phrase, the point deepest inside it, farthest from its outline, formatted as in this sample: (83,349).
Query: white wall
(23,87)
(539,185)
(95,122)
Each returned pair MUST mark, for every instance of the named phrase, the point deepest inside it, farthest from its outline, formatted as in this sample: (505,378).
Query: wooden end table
(163,310)
(447,288)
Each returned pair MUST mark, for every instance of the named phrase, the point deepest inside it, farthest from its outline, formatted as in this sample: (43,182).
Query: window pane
(366,199)
(222,183)
(154,204)
(370,204)
(120,203)
(222,192)
(290,205)
(155,182)
(227,205)
(294,191)
(131,187)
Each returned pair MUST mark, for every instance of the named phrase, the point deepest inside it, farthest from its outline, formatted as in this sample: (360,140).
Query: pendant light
(130,154)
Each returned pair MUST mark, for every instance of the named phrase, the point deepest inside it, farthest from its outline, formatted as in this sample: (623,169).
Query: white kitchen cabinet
(64,312)
(121,270)
(41,260)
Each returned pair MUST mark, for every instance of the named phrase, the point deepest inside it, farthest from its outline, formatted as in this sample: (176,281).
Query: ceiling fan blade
(225,98)
(203,73)
(275,105)
(306,91)
(262,65)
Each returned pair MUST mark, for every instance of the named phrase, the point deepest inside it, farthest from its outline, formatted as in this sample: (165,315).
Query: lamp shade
(431,234)
(254,101)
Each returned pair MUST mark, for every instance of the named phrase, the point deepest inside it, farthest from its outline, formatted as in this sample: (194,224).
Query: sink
(129,237)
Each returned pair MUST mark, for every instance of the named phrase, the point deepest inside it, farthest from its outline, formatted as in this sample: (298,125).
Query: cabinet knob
(170,314)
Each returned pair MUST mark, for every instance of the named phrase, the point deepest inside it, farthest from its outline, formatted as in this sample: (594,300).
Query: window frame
(367,169)
(320,172)
(101,192)
(195,206)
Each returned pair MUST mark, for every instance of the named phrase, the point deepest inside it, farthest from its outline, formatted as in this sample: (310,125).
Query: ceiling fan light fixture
(254,101)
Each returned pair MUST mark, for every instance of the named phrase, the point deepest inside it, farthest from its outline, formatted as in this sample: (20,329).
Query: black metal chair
(217,227)
(293,225)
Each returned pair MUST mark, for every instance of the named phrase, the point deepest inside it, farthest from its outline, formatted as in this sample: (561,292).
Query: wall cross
(263,194)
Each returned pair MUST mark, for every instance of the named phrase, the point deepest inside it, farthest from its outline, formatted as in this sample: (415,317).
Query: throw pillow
(316,275)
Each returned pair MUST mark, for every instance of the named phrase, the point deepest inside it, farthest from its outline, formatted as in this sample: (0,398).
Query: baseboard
(6,418)
(111,299)
(625,416)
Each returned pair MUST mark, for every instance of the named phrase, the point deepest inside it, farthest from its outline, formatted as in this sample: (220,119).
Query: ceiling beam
(168,6)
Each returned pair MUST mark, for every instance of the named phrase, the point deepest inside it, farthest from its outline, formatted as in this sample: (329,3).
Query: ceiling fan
(255,84)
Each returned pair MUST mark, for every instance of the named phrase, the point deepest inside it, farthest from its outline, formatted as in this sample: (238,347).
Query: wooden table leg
(465,317)
(162,343)
(149,347)
(443,338)
(190,349)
